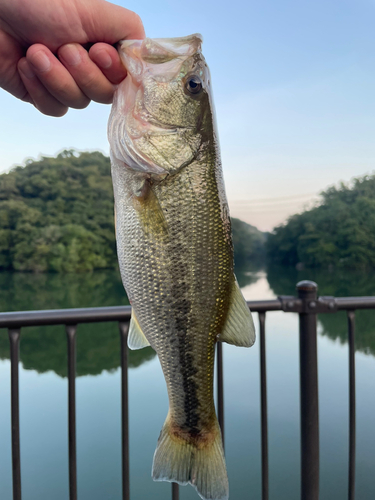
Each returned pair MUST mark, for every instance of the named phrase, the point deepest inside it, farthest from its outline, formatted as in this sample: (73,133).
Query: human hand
(42,56)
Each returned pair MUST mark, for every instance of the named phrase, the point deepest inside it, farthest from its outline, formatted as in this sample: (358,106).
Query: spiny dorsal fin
(136,338)
(239,327)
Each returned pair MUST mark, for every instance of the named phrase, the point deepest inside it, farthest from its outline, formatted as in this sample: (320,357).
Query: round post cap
(307,286)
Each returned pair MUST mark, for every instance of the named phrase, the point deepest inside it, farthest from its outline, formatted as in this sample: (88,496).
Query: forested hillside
(56,214)
(340,232)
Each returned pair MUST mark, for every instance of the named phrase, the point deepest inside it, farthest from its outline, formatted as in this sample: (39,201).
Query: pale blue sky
(294,90)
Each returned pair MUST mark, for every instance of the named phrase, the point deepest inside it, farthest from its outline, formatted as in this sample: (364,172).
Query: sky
(293,88)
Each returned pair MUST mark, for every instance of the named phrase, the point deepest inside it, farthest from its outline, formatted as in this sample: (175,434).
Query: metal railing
(306,304)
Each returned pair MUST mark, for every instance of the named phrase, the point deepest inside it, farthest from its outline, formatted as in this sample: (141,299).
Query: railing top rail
(344,303)
(122,313)
(64,316)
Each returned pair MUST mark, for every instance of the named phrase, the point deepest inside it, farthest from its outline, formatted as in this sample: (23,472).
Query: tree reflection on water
(98,344)
(44,348)
(338,283)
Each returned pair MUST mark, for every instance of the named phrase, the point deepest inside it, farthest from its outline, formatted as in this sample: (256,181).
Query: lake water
(43,395)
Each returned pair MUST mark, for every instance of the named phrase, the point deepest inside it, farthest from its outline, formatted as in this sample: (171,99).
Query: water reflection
(29,291)
(44,349)
(339,283)
(247,274)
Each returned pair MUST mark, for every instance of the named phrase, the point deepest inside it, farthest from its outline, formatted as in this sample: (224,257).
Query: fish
(174,246)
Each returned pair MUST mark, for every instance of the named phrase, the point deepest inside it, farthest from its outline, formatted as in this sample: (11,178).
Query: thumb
(111,23)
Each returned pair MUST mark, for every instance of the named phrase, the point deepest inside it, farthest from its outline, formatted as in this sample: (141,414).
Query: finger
(55,77)
(39,95)
(111,23)
(108,60)
(86,73)
(10,53)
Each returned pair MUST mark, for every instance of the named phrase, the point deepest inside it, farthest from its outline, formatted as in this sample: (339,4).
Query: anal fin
(136,338)
(239,326)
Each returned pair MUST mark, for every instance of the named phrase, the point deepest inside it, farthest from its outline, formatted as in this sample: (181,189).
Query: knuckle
(88,81)
(82,104)
(137,22)
(52,110)
(109,100)
(104,99)
(60,113)
(72,97)
(35,47)
(96,89)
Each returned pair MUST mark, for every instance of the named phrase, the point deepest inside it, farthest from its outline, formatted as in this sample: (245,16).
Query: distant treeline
(340,232)
(56,214)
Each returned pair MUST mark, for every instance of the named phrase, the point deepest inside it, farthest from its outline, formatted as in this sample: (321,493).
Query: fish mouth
(158,50)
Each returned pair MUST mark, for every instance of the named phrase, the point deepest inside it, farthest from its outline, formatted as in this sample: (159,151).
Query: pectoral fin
(150,212)
(136,338)
(239,327)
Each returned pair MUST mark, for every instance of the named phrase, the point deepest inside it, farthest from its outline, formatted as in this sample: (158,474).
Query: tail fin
(189,461)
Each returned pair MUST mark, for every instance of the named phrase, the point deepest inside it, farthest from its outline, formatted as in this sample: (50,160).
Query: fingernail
(103,59)
(40,61)
(70,54)
(26,69)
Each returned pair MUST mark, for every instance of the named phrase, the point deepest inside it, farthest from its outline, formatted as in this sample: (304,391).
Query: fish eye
(194,84)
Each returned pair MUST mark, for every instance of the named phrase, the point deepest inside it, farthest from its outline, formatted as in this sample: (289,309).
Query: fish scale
(187,257)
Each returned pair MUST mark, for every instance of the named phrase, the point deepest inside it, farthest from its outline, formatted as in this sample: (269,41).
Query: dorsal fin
(136,338)
(239,326)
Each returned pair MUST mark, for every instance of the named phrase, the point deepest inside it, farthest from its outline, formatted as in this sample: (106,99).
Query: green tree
(56,214)
(337,233)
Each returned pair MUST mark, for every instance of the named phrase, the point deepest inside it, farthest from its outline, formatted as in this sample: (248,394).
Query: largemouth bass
(174,246)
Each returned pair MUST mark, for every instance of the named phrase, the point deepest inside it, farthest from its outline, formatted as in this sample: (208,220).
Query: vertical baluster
(352,405)
(220,388)
(263,404)
(14,339)
(307,292)
(175,492)
(71,338)
(124,328)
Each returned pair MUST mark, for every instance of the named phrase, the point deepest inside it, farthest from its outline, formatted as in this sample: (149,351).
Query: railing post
(124,330)
(14,338)
(307,293)
(175,491)
(71,338)
(352,404)
(263,404)
(220,389)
